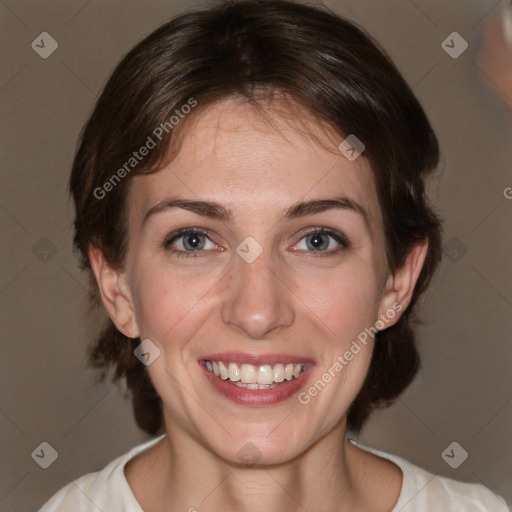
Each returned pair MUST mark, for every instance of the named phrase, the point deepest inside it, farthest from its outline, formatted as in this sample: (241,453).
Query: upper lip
(255,359)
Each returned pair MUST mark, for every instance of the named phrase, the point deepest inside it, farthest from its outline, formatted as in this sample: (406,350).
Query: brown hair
(329,67)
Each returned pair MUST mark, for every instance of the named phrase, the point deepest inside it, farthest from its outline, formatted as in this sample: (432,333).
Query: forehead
(253,161)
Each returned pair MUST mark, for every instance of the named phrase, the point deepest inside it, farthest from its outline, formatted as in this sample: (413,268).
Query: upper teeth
(249,374)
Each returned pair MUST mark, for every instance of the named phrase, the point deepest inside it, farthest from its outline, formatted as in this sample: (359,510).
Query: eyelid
(175,235)
(339,237)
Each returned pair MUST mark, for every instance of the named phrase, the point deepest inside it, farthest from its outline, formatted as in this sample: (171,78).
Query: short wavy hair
(256,50)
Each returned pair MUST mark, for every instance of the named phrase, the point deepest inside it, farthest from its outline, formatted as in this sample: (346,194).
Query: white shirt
(108,490)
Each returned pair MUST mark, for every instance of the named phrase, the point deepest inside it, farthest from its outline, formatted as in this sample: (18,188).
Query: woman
(250,199)
(495,57)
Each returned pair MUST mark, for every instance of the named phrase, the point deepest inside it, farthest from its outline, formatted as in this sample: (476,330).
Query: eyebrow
(216,211)
(321,205)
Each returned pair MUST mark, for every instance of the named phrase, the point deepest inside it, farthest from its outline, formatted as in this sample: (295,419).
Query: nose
(258,303)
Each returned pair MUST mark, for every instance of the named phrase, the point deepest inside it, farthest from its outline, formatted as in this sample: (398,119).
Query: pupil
(193,242)
(318,241)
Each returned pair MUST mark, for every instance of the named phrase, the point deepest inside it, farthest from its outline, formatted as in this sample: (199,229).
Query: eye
(322,240)
(189,240)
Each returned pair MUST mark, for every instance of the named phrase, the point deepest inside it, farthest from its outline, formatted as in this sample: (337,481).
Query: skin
(290,300)
(495,60)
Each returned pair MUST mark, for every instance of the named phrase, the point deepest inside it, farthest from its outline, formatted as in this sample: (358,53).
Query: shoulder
(423,491)
(107,489)
(427,490)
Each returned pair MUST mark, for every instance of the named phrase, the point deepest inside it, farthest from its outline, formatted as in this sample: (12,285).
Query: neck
(195,478)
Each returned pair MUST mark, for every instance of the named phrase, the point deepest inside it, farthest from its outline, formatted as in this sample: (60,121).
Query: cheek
(345,299)
(346,308)
(170,304)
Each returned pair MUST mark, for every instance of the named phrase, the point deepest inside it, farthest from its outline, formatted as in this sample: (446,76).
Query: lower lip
(257,397)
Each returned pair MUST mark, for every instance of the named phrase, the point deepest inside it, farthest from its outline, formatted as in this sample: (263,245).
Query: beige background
(464,391)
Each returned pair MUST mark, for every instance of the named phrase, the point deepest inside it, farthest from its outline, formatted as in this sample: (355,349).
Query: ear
(400,285)
(115,293)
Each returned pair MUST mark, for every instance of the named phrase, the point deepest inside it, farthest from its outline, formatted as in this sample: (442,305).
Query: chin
(257,449)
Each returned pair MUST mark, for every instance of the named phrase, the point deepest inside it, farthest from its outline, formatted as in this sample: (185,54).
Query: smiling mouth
(264,376)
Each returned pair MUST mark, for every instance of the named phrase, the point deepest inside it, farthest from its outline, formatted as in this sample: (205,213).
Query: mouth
(248,380)
(263,376)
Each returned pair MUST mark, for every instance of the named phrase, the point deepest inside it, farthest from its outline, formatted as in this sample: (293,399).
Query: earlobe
(400,285)
(115,293)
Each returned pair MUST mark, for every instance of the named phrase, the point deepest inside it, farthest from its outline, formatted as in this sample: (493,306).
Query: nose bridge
(258,302)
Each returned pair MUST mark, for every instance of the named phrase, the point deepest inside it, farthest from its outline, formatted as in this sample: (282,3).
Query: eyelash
(176,235)
(335,235)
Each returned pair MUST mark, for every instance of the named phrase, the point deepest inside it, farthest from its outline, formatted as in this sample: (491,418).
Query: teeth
(248,374)
(255,386)
(265,374)
(278,373)
(255,377)
(234,372)
(223,371)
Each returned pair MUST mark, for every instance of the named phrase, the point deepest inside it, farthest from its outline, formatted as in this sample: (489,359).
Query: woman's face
(282,264)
